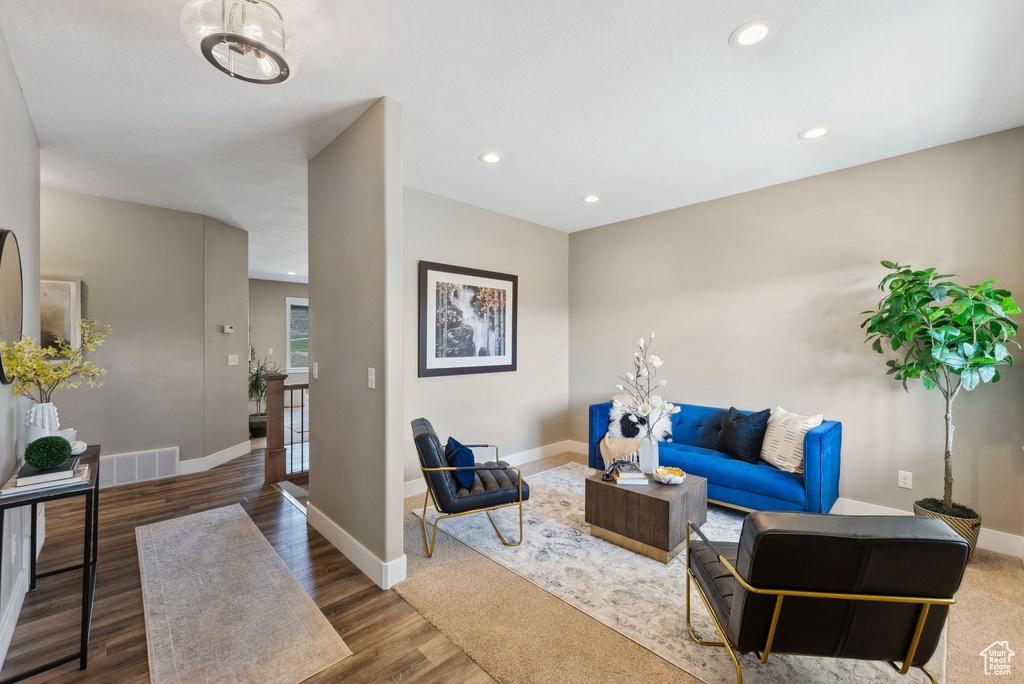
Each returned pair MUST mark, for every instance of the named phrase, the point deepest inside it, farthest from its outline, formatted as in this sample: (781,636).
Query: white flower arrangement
(643,407)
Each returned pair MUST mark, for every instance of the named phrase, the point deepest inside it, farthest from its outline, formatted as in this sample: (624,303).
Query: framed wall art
(468,320)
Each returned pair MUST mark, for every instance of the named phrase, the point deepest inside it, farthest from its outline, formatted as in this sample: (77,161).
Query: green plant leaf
(927,382)
(967,349)
(877,345)
(986,373)
(889,264)
(937,293)
(1009,306)
(970,379)
(960,305)
(1000,352)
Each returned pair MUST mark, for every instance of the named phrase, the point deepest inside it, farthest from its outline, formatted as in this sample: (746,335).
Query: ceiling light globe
(490,157)
(245,39)
(590,199)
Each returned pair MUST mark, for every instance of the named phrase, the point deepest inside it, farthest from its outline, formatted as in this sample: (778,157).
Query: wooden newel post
(274,470)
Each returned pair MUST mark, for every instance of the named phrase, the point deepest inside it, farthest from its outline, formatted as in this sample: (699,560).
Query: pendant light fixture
(245,39)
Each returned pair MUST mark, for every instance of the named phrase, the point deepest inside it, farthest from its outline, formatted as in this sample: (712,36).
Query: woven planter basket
(968,528)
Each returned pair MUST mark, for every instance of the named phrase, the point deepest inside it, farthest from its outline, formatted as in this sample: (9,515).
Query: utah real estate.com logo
(997,658)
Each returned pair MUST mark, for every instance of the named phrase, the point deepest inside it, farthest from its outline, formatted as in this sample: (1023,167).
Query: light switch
(233,359)
(270,351)
(371,378)
(316,371)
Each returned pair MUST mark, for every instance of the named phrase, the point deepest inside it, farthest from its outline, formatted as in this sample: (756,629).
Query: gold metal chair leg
(500,535)
(721,632)
(922,668)
(423,522)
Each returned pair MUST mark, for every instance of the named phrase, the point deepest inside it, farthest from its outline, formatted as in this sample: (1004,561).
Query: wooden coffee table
(648,519)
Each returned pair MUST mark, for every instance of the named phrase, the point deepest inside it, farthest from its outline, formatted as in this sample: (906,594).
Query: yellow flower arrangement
(39,371)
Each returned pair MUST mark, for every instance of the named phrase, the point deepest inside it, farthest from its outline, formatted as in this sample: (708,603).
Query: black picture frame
(426,325)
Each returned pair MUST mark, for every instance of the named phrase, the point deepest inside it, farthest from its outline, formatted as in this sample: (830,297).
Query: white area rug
(221,606)
(637,596)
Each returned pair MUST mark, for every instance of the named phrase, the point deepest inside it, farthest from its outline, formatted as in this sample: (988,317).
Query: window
(297,314)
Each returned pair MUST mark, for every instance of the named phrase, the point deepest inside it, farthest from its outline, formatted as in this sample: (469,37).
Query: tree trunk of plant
(947,495)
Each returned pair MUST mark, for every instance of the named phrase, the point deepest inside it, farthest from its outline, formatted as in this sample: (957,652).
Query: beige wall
(756,301)
(517,411)
(19,212)
(355,298)
(267,313)
(226,301)
(144,271)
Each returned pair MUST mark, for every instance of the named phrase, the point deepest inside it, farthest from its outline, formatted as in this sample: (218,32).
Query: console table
(647,519)
(90,538)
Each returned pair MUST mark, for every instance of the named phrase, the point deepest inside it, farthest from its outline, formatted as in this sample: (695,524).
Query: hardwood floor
(389,640)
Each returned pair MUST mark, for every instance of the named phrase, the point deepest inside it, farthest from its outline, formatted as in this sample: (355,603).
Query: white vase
(40,421)
(648,455)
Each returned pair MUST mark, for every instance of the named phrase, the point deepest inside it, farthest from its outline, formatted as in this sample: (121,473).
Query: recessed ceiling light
(291,272)
(490,157)
(812,133)
(590,199)
(752,33)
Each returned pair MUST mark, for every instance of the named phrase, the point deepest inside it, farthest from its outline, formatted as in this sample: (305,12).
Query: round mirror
(10,294)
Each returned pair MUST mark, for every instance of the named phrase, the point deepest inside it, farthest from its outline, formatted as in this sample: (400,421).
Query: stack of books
(629,474)
(31,479)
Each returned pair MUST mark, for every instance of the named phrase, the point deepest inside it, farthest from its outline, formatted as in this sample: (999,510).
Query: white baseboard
(385,574)
(198,465)
(10,617)
(992,540)
(419,485)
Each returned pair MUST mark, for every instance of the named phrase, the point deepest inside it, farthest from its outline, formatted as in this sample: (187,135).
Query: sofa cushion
(758,478)
(784,439)
(742,435)
(697,425)
(493,487)
(459,456)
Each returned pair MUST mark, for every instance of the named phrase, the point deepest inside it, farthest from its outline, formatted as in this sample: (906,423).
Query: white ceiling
(642,102)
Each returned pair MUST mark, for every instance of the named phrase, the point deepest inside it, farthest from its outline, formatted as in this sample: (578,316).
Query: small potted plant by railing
(950,337)
(258,371)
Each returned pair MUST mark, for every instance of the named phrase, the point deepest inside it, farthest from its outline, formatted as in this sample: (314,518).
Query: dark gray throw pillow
(742,435)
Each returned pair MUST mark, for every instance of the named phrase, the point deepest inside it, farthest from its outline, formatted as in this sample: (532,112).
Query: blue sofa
(734,482)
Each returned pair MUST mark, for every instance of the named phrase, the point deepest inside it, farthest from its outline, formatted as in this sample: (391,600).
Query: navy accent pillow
(459,456)
(742,435)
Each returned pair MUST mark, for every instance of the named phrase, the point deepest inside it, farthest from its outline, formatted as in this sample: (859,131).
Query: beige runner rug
(221,606)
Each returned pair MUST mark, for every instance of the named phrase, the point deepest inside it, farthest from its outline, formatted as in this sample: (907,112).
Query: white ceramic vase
(648,455)
(41,421)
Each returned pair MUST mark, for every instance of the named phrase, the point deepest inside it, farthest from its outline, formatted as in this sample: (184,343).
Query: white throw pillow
(783,445)
(619,425)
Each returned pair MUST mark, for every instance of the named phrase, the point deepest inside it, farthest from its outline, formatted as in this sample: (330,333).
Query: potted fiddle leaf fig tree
(950,337)
(258,371)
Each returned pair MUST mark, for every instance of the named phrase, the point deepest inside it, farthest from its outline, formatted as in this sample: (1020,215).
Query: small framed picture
(468,320)
(60,312)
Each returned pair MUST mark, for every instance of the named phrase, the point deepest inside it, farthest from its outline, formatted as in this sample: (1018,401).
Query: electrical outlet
(232,359)
(904,479)
(371,378)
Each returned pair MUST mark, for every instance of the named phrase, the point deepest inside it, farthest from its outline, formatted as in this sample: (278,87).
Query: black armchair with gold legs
(493,487)
(858,587)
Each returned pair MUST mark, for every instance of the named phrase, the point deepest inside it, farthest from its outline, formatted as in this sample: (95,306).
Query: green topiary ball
(47,452)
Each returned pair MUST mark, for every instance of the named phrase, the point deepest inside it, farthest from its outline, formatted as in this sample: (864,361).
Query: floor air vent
(118,469)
